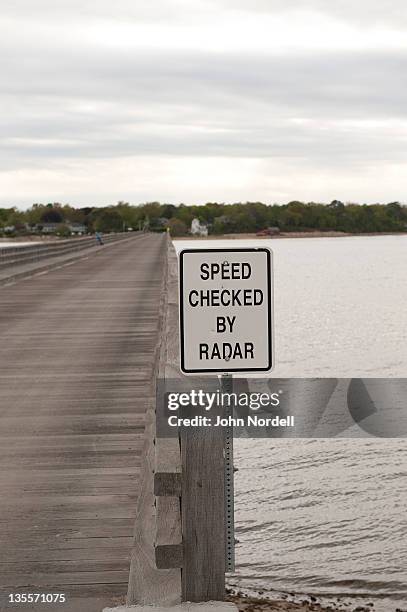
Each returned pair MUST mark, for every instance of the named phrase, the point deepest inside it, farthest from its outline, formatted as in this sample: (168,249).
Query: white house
(198,228)
(77,228)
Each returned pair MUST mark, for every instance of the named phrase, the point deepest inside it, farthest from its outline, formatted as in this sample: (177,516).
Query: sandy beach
(307,604)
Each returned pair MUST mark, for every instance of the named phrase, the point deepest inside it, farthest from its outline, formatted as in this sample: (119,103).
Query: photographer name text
(247,421)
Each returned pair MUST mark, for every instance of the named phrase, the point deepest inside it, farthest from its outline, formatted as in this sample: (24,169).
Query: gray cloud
(161,11)
(379,12)
(65,98)
(202,104)
(382,12)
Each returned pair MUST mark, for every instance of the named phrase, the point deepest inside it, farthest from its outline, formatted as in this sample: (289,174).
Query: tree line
(220,218)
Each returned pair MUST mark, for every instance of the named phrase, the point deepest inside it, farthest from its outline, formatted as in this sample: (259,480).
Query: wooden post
(203,513)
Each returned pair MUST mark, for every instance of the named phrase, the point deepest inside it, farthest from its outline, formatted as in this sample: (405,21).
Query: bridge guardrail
(179,547)
(156,559)
(16,255)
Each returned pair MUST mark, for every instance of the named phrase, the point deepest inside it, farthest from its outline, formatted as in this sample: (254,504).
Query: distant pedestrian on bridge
(99,238)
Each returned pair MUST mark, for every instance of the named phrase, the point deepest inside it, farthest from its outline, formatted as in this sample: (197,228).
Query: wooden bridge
(78,347)
(89,497)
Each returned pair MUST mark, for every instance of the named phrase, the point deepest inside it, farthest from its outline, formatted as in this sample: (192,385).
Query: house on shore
(77,228)
(198,228)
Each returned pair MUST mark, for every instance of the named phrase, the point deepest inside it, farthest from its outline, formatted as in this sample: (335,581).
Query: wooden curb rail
(16,255)
(156,559)
(179,541)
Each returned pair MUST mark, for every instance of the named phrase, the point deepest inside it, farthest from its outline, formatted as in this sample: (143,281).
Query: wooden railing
(155,574)
(17,255)
(179,540)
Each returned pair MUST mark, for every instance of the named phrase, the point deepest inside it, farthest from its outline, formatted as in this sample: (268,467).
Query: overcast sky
(200,100)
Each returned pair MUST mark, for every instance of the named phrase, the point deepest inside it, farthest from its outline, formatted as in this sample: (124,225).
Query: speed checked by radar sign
(226,310)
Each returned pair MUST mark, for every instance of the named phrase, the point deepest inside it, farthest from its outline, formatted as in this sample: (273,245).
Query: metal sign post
(226,384)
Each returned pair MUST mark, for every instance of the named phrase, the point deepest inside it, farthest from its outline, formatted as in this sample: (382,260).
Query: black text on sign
(226,310)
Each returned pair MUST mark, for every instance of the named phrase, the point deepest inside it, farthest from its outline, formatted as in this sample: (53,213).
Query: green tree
(51,214)
(63,230)
(108,220)
(177,227)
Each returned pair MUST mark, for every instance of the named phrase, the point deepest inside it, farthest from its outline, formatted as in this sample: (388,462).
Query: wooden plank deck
(77,347)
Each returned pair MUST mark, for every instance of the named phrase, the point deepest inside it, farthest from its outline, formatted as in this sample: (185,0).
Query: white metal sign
(226,310)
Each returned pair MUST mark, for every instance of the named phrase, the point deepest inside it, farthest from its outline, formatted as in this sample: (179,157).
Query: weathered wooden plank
(203,492)
(148,584)
(169,556)
(168,537)
(58,566)
(167,468)
(203,514)
(10,579)
(113,550)
(167,484)
(76,370)
(167,455)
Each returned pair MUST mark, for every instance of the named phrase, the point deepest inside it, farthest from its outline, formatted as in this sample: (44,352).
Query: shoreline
(332,234)
(284,235)
(254,604)
(304,603)
(35,238)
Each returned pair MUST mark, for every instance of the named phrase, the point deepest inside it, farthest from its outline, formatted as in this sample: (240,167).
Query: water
(323,517)
(340,306)
(328,517)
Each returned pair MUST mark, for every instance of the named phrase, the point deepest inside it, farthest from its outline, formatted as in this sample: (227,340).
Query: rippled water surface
(326,517)
(329,517)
